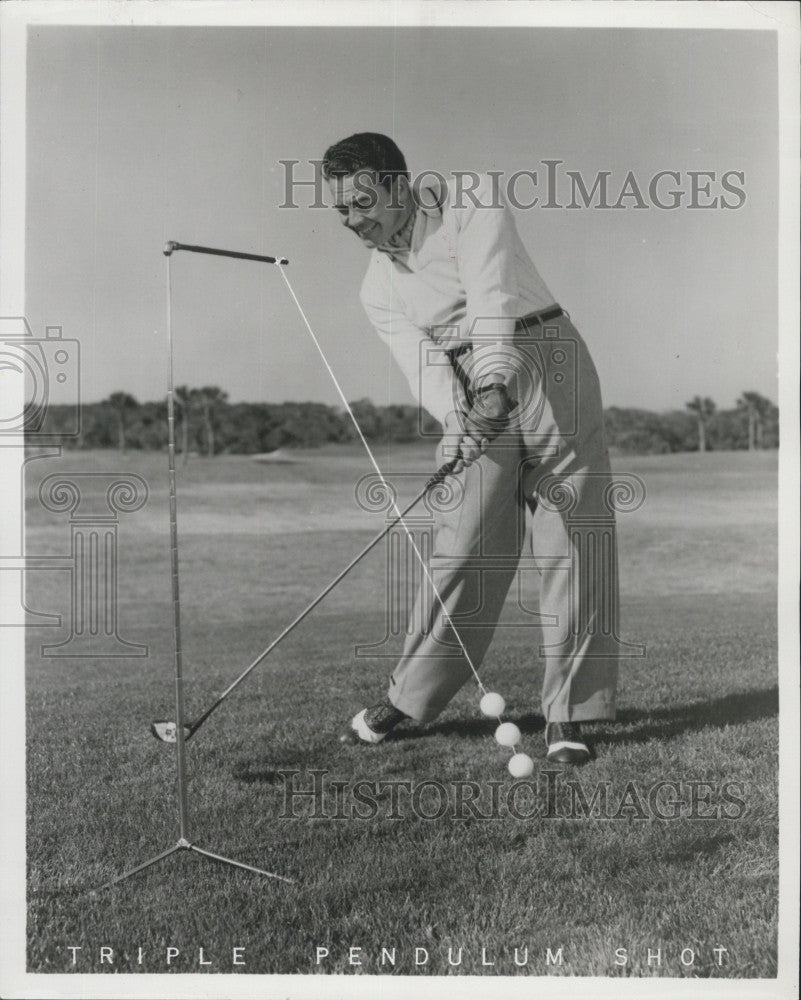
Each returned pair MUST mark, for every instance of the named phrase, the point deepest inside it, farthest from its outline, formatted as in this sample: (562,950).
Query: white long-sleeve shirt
(466,279)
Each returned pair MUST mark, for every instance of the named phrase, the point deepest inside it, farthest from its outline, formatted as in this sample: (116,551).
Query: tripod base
(183,845)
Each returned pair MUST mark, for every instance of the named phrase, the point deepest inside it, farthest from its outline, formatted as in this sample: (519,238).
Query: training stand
(183,843)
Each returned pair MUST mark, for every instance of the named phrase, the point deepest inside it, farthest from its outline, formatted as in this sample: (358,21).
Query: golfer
(489,353)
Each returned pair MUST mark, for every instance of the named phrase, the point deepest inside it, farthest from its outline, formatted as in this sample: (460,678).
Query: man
(491,355)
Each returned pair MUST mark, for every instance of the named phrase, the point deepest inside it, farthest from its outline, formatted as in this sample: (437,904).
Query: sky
(139,135)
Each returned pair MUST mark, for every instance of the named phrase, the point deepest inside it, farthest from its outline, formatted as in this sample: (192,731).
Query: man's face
(369,209)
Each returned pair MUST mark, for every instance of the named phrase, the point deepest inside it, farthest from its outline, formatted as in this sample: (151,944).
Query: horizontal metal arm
(172,245)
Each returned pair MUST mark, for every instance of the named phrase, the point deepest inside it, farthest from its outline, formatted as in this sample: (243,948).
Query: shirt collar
(400,242)
(428,203)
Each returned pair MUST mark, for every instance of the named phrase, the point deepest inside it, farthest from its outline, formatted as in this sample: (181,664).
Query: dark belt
(455,354)
(539,318)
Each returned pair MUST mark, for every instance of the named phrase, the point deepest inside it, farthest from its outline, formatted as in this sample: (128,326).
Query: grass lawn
(258,541)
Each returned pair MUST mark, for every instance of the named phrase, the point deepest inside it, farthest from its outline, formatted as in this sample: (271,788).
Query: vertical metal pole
(176,598)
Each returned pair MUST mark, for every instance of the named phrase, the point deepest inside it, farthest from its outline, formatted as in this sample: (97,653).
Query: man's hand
(489,414)
(473,431)
(457,445)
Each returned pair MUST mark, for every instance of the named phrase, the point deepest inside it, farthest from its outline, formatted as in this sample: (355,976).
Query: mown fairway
(258,541)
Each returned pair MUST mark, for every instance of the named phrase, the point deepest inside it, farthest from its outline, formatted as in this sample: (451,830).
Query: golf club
(167,730)
(176,731)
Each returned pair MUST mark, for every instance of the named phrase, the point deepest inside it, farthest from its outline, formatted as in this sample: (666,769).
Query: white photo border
(16,16)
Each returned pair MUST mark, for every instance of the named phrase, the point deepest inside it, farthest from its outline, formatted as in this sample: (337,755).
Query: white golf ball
(507,734)
(521,766)
(492,704)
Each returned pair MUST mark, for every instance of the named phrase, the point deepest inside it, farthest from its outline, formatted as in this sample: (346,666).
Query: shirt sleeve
(487,259)
(425,365)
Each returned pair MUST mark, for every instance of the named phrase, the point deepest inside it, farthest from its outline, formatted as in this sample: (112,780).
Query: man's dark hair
(365,151)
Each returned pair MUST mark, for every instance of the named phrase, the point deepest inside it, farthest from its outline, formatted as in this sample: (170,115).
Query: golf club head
(167,731)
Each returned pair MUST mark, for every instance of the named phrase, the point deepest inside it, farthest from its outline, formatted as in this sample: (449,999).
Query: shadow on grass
(632,725)
(702,846)
(468,728)
(640,725)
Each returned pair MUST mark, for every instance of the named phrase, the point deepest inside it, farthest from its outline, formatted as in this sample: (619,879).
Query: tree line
(752,424)
(206,423)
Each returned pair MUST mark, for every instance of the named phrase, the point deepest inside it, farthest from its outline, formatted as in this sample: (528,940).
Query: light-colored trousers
(553,463)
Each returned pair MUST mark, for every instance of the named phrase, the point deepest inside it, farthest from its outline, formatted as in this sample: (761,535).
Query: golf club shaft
(172,245)
(437,478)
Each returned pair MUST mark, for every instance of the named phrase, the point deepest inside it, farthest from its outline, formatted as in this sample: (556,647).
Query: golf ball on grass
(492,704)
(507,734)
(521,766)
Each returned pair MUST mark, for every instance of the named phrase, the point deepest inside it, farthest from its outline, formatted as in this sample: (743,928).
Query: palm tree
(207,399)
(756,407)
(181,395)
(703,409)
(123,405)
